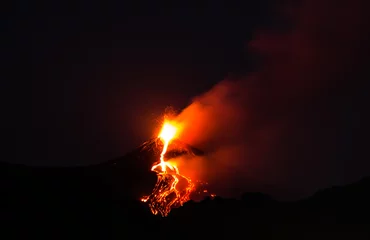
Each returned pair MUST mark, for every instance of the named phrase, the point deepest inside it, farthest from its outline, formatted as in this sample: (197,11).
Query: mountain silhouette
(101,202)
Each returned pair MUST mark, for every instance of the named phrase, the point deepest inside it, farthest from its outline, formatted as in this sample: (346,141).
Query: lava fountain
(172,188)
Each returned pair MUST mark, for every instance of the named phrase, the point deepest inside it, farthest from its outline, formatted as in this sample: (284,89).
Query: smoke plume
(288,129)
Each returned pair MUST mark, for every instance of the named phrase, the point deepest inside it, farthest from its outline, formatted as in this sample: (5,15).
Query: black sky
(86,81)
(281,87)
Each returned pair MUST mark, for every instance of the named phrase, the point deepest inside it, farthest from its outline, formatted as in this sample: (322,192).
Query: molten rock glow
(172,189)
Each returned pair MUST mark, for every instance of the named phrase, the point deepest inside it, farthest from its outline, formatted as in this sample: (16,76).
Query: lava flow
(167,192)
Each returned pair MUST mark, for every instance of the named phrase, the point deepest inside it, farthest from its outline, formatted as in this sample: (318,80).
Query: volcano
(176,149)
(149,152)
(104,198)
(131,174)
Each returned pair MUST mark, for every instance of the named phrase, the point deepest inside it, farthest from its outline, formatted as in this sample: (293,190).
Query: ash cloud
(296,124)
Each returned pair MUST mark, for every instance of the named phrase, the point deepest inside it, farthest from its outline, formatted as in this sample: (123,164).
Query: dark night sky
(86,81)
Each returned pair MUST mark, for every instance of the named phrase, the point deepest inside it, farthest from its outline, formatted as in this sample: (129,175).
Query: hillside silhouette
(101,202)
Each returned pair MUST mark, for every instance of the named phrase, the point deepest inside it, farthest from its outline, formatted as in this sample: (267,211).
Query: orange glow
(167,133)
(167,193)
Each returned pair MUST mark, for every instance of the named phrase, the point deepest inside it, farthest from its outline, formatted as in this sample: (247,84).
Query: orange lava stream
(167,193)
(167,134)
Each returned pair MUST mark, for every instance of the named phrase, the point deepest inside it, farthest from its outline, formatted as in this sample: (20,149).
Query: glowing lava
(167,134)
(167,192)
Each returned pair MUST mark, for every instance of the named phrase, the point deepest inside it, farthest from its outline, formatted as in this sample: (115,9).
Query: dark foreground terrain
(100,202)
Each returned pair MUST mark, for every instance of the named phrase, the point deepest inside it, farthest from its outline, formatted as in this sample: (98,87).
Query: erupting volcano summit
(172,188)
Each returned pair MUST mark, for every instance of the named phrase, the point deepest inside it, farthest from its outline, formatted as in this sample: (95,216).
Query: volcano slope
(102,202)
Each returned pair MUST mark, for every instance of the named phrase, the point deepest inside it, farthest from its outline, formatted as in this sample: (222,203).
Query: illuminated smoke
(280,130)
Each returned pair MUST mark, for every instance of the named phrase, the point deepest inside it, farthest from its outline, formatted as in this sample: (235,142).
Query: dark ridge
(101,202)
(149,152)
